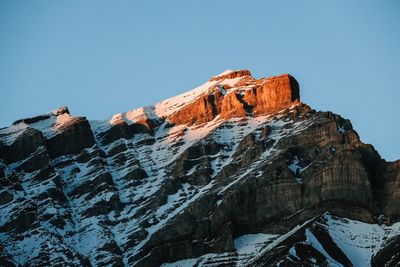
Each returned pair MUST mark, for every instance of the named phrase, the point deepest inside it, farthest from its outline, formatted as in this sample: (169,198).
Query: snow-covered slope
(237,171)
(168,106)
(356,243)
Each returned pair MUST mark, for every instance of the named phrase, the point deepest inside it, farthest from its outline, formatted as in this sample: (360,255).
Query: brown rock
(116,131)
(391,189)
(265,97)
(29,141)
(204,109)
(236,180)
(72,138)
(231,75)
(272,94)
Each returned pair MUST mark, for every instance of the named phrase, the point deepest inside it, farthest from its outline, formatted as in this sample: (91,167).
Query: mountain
(236,172)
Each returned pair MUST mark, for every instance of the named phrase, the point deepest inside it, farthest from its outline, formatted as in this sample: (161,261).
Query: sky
(104,57)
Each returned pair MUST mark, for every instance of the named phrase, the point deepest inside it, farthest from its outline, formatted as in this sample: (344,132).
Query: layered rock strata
(191,177)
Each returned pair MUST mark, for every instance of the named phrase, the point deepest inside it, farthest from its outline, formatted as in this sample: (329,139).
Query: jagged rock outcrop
(251,97)
(237,171)
(391,189)
(230,74)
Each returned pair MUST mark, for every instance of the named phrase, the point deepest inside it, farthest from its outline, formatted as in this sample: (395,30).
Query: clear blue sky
(104,57)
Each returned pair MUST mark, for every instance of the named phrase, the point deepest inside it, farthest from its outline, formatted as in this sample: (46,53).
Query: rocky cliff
(235,172)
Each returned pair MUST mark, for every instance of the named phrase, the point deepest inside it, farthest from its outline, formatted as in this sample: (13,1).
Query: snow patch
(228,71)
(10,134)
(251,243)
(358,240)
(313,241)
(293,166)
(341,130)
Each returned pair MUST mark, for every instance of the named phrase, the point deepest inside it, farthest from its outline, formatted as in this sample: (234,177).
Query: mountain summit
(236,172)
(229,94)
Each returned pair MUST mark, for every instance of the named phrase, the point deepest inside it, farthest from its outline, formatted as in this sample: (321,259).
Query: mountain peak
(237,94)
(60,111)
(232,93)
(230,74)
(54,113)
(236,172)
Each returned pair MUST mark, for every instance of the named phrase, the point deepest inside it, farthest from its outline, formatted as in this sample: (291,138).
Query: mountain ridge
(189,176)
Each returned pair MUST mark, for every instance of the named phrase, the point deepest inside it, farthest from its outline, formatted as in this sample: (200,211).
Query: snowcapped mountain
(236,172)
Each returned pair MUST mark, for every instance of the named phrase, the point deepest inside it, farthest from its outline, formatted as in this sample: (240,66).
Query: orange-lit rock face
(248,97)
(231,75)
(273,94)
(204,109)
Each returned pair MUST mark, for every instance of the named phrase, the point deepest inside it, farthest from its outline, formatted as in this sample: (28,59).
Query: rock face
(250,98)
(235,172)
(391,189)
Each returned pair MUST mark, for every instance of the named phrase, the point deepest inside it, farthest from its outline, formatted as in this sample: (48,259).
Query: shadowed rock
(189,176)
